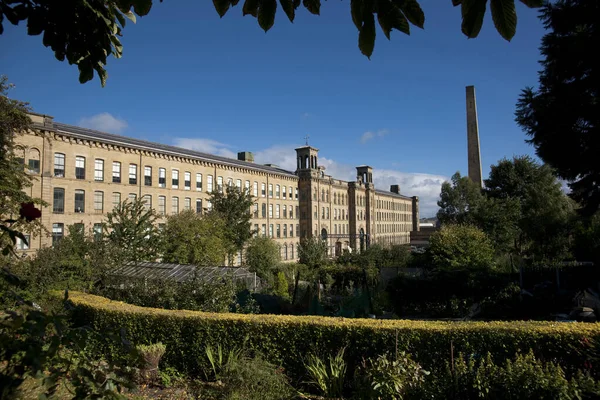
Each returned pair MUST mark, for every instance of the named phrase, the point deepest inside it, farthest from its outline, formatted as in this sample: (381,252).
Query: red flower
(29,212)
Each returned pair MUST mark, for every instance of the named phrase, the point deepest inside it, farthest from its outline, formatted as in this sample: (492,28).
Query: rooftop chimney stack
(245,156)
(395,189)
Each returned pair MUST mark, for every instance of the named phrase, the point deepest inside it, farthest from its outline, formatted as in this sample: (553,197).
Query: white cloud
(426,186)
(372,135)
(104,122)
(206,146)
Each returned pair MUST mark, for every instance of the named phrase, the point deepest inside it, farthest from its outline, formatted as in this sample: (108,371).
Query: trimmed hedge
(287,340)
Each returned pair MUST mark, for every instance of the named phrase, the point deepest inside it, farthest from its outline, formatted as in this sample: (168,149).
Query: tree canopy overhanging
(87,32)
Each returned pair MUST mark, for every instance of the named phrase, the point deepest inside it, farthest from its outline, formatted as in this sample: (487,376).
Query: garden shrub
(328,376)
(285,340)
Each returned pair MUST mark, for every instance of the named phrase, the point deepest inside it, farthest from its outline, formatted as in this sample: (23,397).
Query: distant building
(82,174)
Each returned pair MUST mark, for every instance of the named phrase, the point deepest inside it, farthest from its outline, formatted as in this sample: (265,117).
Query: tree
(262,256)
(233,205)
(132,232)
(312,252)
(544,212)
(17,209)
(460,247)
(458,200)
(87,32)
(562,117)
(191,238)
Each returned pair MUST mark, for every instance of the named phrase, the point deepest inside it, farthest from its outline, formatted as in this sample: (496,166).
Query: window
(255,213)
(34,166)
(58,231)
(79,201)
(247,186)
(175,205)
(23,244)
(132,174)
(59,165)
(270,210)
(270,190)
(296,193)
(187,180)
(291,212)
(199,206)
(285,252)
(271,230)
(116,172)
(263,230)
(238,183)
(58,205)
(291,251)
(255,189)
(229,182)
(278,230)
(97,232)
(283,192)
(291,230)
(290,193)
(208,205)
(199,182)
(116,199)
(277,211)
(174,179)
(277,191)
(209,183)
(132,197)
(162,177)
(162,205)
(220,184)
(297,211)
(264,210)
(187,203)
(255,232)
(147,200)
(79,167)
(98,202)
(284,211)
(263,190)
(148,176)
(284,230)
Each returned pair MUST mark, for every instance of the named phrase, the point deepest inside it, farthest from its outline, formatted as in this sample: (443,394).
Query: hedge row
(288,339)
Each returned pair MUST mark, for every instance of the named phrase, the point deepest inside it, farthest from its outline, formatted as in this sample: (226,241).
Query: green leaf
(250,7)
(356,9)
(221,6)
(86,72)
(473,12)
(35,23)
(130,16)
(384,17)
(288,8)
(505,17)
(413,12)
(313,6)
(533,3)
(142,7)
(266,14)
(296,4)
(399,21)
(234,2)
(366,37)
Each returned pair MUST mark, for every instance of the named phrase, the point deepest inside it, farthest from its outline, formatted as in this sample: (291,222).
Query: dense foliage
(460,247)
(562,116)
(285,339)
(192,238)
(263,255)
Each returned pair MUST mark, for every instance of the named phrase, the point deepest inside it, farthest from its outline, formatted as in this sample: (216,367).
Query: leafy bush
(255,378)
(387,377)
(460,247)
(524,377)
(328,376)
(281,287)
(220,359)
(285,340)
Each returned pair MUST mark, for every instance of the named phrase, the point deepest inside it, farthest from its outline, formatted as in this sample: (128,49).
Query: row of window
(276,230)
(277,191)
(58,205)
(58,231)
(391,205)
(281,211)
(393,228)
(390,216)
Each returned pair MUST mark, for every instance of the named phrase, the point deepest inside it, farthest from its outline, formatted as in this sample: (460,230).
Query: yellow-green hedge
(287,339)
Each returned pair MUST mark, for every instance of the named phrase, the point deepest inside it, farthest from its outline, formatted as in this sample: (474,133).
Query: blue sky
(189,78)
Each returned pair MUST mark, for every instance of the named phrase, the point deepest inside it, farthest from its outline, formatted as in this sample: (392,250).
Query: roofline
(392,194)
(139,144)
